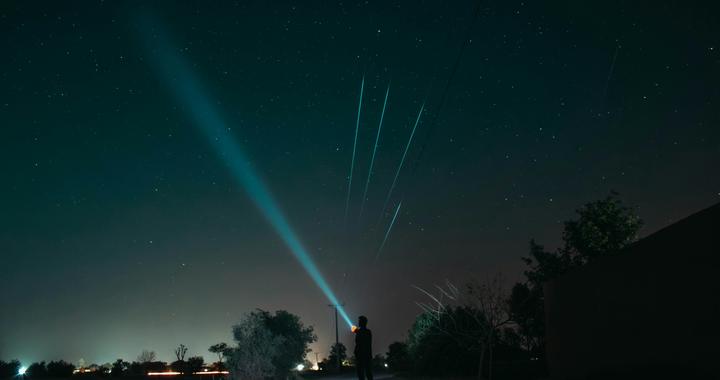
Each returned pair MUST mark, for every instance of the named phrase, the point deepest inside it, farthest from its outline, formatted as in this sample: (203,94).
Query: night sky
(122,228)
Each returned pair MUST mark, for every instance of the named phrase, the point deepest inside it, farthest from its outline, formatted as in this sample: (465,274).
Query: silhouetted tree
(483,309)
(526,310)
(256,348)
(398,357)
(106,368)
(60,368)
(179,366)
(378,361)
(141,369)
(491,301)
(603,227)
(295,336)
(446,343)
(146,356)
(9,369)
(219,350)
(37,371)
(194,364)
(338,353)
(119,367)
(180,352)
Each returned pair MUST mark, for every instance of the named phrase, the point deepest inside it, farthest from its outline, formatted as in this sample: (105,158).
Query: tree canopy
(268,345)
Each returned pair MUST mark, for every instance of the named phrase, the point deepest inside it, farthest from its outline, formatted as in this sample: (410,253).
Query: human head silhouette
(362,321)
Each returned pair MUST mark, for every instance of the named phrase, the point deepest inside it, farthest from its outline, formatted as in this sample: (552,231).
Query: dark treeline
(480,329)
(146,362)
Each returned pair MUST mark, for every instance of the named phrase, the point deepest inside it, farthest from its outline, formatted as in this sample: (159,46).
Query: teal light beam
(187,90)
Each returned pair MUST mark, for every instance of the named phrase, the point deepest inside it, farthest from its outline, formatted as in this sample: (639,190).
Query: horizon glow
(187,90)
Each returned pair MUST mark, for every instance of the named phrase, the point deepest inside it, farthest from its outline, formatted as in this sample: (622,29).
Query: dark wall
(654,306)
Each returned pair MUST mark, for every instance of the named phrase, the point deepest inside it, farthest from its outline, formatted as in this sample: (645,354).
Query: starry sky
(122,229)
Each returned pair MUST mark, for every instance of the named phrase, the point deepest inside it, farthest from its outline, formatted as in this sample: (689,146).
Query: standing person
(363,350)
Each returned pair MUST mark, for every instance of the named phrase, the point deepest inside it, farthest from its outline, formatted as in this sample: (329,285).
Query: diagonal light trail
(402,160)
(188,91)
(352,162)
(387,233)
(372,160)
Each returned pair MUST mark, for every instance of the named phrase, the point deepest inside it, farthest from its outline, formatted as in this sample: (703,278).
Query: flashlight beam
(372,160)
(402,160)
(352,161)
(188,92)
(387,233)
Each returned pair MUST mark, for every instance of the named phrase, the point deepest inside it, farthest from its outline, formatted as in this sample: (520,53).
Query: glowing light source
(22,370)
(300,367)
(189,93)
(354,328)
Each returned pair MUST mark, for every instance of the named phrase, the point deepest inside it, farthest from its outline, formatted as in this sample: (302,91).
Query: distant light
(300,367)
(168,373)
(385,365)
(22,370)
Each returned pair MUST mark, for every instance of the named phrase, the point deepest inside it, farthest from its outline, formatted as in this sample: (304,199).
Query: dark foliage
(219,350)
(194,364)
(179,366)
(141,369)
(603,227)
(338,353)
(378,361)
(9,369)
(37,371)
(398,357)
(296,339)
(119,367)
(445,345)
(60,368)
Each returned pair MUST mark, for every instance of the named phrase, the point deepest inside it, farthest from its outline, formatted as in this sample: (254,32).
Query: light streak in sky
(372,160)
(402,160)
(352,162)
(387,233)
(188,91)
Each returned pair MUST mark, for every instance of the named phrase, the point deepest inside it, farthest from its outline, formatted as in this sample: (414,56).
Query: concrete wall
(654,305)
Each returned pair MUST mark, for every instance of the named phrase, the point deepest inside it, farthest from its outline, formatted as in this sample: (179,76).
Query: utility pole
(337,335)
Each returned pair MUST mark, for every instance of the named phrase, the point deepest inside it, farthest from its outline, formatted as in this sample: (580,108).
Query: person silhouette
(363,350)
